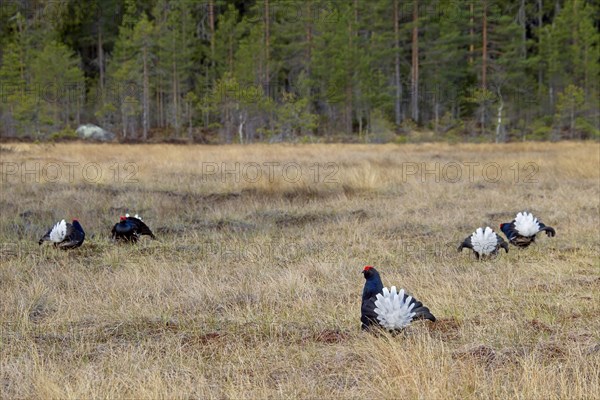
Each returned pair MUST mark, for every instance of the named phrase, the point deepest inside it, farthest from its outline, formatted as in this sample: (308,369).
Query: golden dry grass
(253,290)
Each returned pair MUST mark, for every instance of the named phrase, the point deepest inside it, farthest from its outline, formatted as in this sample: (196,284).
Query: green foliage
(64,134)
(586,129)
(292,118)
(302,69)
(540,129)
(570,105)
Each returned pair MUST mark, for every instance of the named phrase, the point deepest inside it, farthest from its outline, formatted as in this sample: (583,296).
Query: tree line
(356,70)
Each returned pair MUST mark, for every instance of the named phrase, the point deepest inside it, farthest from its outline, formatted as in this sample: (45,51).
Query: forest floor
(253,287)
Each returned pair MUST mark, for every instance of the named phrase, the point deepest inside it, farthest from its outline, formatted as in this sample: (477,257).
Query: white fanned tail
(59,232)
(393,310)
(484,241)
(135,216)
(526,224)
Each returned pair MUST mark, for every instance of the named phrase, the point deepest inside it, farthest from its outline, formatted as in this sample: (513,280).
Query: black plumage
(522,230)
(129,229)
(485,243)
(373,287)
(65,235)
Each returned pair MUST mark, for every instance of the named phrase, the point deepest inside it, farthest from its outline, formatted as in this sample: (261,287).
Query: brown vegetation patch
(360,214)
(284,219)
(328,336)
(179,197)
(445,328)
(551,351)
(137,329)
(539,326)
(10,250)
(595,349)
(540,287)
(298,220)
(307,193)
(7,149)
(203,339)
(478,186)
(226,225)
(170,230)
(194,198)
(584,282)
(40,310)
(480,353)
(571,250)
(49,340)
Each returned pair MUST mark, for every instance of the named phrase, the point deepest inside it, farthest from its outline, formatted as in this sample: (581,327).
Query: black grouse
(129,229)
(388,309)
(484,243)
(65,235)
(521,231)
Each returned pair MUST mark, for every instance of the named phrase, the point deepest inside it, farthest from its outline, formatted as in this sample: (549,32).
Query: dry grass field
(253,288)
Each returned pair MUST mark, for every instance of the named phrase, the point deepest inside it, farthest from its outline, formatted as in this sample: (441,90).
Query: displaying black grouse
(521,231)
(484,243)
(65,235)
(129,229)
(388,309)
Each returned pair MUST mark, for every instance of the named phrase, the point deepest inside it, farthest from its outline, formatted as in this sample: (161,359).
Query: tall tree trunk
(124,119)
(539,34)
(211,25)
(230,53)
(175,95)
(146,94)
(157,104)
(415,64)
(523,22)
(483,67)
(484,47)
(175,84)
(397,82)
(308,52)
(309,36)
(436,112)
(66,112)
(349,67)
(21,51)
(267,47)
(162,116)
(210,73)
(241,126)
(572,120)
(78,110)
(471,33)
(190,125)
(101,58)
(499,127)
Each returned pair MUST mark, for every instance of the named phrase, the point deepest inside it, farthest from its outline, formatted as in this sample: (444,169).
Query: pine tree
(56,73)
(131,69)
(175,56)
